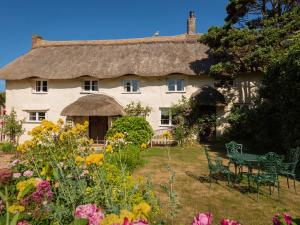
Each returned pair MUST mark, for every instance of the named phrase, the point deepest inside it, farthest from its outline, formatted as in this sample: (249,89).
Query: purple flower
(279,218)
(287,218)
(43,192)
(15,162)
(23,222)
(16,175)
(28,173)
(203,219)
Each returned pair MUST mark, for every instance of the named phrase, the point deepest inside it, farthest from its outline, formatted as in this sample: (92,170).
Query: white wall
(61,93)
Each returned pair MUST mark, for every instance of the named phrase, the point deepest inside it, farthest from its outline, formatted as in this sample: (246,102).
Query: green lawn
(194,195)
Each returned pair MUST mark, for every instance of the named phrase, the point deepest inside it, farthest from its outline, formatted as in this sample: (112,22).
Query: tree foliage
(250,48)
(13,128)
(137,109)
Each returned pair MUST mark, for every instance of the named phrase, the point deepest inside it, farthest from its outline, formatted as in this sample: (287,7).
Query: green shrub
(129,157)
(7,147)
(137,129)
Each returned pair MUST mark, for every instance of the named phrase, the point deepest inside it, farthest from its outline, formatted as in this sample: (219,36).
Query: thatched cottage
(95,80)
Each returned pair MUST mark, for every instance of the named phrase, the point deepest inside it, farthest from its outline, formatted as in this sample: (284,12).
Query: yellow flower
(167,134)
(125,213)
(79,159)
(88,190)
(142,210)
(25,146)
(23,184)
(112,219)
(119,136)
(143,146)
(16,208)
(44,171)
(95,158)
(108,148)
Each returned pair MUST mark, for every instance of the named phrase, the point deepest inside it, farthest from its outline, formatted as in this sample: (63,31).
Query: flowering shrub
(229,222)
(283,219)
(58,178)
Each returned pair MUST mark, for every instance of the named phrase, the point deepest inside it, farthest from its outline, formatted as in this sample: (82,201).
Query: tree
(2,99)
(13,128)
(249,48)
(136,109)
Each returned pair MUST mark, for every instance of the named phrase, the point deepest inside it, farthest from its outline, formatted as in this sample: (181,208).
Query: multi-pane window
(131,86)
(175,85)
(41,86)
(37,116)
(91,86)
(166,117)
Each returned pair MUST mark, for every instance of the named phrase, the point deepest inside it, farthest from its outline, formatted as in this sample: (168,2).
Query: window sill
(171,92)
(89,92)
(164,125)
(33,122)
(39,93)
(132,92)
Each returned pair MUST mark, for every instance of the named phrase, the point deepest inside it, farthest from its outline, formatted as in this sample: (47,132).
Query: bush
(128,156)
(7,147)
(137,129)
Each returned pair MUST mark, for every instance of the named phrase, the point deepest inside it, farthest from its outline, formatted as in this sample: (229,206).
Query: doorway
(98,126)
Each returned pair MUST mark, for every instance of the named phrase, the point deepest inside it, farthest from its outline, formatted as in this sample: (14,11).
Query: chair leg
(287,180)
(295,184)
(257,189)
(278,188)
(210,180)
(270,189)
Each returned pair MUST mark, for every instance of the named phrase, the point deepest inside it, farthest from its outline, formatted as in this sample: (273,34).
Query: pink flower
(229,222)
(140,222)
(15,162)
(17,175)
(90,212)
(203,219)
(28,173)
(287,218)
(23,222)
(279,218)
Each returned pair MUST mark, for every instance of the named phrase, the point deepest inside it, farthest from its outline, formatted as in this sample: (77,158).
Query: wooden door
(98,126)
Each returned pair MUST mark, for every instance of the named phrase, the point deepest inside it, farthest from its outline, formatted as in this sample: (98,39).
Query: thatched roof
(94,105)
(209,96)
(153,56)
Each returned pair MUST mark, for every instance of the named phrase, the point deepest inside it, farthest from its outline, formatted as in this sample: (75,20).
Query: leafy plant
(13,128)
(136,109)
(7,147)
(137,129)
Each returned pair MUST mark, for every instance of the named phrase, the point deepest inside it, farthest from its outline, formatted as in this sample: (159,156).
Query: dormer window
(90,86)
(41,86)
(131,86)
(175,85)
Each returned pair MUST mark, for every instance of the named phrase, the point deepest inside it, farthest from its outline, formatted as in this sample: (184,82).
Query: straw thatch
(208,96)
(94,105)
(155,56)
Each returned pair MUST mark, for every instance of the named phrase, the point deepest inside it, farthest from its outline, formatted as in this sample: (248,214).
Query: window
(131,86)
(166,117)
(175,85)
(37,116)
(41,86)
(91,86)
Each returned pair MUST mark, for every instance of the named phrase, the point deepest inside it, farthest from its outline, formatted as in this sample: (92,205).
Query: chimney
(191,23)
(35,40)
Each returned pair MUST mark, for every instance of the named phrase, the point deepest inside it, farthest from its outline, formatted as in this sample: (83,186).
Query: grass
(194,195)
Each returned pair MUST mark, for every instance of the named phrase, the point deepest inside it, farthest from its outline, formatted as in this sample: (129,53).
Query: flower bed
(58,179)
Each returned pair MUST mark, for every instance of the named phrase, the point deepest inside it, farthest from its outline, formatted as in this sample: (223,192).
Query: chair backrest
(293,155)
(269,167)
(271,160)
(210,164)
(234,147)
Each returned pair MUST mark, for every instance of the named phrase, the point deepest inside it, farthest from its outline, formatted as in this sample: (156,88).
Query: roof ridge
(38,41)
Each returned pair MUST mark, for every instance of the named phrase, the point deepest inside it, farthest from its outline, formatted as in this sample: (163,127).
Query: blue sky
(97,19)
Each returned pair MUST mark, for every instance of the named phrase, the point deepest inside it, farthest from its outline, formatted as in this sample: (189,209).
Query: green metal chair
(234,150)
(216,167)
(288,168)
(269,165)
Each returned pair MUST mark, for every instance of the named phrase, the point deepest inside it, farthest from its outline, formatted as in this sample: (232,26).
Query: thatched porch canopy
(94,105)
(104,59)
(208,96)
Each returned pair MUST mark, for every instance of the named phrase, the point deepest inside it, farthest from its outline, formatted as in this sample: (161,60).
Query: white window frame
(131,84)
(37,116)
(41,84)
(169,119)
(175,81)
(90,90)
